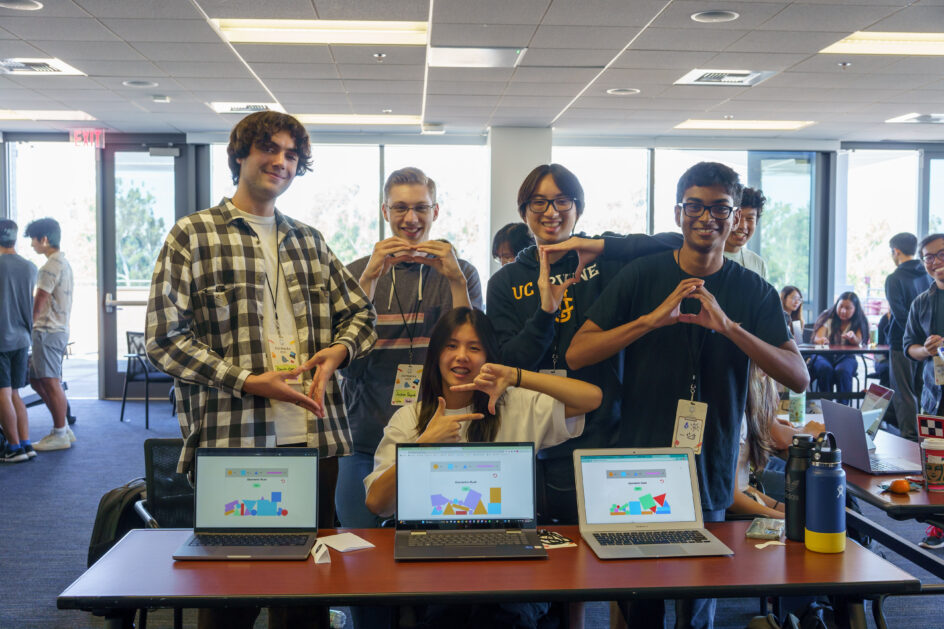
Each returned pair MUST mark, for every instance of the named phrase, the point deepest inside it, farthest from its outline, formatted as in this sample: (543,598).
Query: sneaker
(934,538)
(337,619)
(52,441)
(71,435)
(13,456)
(30,452)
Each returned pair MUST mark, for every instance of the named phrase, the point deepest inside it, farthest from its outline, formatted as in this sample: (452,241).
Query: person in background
(735,247)
(509,241)
(924,336)
(843,324)
(906,282)
(244,302)
(51,309)
(17,280)
(792,300)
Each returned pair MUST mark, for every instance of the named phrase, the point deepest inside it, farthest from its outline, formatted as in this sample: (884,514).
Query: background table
(807,350)
(139,572)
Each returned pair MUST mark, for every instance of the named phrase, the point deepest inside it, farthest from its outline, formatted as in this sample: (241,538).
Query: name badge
(689,425)
(285,357)
(555,372)
(406,384)
(938,370)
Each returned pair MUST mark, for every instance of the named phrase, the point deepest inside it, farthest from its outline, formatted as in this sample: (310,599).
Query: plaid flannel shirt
(204,326)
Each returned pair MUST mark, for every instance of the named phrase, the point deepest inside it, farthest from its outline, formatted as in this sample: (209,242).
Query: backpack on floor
(116,516)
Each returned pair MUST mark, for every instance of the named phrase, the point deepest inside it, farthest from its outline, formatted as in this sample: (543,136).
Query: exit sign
(88,137)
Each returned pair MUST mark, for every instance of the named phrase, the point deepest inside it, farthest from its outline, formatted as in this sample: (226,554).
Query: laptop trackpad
(661,550)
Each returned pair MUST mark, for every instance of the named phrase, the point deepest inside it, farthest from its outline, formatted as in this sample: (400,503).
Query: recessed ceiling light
(139,83)
(745,125)
(380,56)
(622,91)
(323,32)
(44,114)
(160,98)
(21,5)
(467,57)
(386,111)
(357,119)
(230,107)
(844,65)
(715,17)
(878,43)
(917,118)
(51,66)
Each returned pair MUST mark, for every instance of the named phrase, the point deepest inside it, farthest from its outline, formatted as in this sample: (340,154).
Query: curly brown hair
(258,128)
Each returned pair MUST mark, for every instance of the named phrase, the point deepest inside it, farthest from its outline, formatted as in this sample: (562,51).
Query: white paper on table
(344,542)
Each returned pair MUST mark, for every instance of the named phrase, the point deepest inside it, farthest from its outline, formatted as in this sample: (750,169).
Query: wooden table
(139,572)
(860,351)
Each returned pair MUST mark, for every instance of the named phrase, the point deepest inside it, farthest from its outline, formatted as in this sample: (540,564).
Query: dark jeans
(836,371)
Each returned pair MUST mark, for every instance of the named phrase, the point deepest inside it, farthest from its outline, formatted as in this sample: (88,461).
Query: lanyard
(693,356)
(410,332)
(275,295)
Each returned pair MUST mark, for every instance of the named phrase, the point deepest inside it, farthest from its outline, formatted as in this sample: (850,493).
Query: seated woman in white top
(466,397)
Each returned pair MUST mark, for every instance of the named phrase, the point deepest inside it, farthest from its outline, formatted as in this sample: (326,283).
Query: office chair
(140,369)
(168,501)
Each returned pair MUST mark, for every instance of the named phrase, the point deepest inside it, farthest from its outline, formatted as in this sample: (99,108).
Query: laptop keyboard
(881,465)
(650,537)
(487,538)
(211,539)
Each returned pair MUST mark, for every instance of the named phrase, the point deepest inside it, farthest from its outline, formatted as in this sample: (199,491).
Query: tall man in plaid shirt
(245,301)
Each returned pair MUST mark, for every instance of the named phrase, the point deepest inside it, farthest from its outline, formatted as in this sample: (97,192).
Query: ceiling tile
(663,59)
(305,85)
(469,100)
(283,9)
(470,74)
(567,57)
(408,10)
(810,42)
(478,35)
(75,51)
(602,12)
(389,87)
(472,87)
(295,70)
(62,28)
(138,30)
(140,9)
(55,82)
(275,53)
(752,14)
(198,84)
(11,48)
(755,61)
(167,51)
(549,75)
(687,39)
(489,11)
(801,16)
(396,55)
(210,69)
(381,72)
(124,69)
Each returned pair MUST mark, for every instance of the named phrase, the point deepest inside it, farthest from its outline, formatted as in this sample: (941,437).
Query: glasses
(931,257)
(695,210)
(561,204)
(421,209)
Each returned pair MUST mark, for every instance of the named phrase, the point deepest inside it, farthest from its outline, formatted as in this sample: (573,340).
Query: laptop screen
(273,489)
(637,488)
(483,485)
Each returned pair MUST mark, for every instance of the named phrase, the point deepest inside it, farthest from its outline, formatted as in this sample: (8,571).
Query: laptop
(466,501)
(254,503)
(642,503)
(848,425)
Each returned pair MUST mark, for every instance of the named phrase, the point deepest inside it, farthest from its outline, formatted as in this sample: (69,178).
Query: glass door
(139,195)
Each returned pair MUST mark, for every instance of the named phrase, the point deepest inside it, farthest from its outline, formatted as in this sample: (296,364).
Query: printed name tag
(406,385)
(285,357)
(938,370)
(689,425)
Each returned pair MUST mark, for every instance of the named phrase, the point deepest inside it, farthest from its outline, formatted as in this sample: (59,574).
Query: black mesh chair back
(169,494)
(140,369)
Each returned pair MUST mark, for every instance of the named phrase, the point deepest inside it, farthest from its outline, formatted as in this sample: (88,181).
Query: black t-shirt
(658,367)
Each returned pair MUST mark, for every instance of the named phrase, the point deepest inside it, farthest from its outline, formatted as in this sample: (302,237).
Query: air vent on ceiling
(732,78)
(21,66)
(243,108)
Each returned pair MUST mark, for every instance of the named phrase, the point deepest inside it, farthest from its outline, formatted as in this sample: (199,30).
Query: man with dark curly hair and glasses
(244,302)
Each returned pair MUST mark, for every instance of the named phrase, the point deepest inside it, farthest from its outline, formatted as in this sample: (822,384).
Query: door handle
(112,304)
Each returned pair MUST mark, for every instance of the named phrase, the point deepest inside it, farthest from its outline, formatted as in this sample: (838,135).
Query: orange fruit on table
(899,486)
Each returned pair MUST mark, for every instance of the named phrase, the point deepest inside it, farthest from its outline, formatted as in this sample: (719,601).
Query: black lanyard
(278,275)
(693,356)
(424,271)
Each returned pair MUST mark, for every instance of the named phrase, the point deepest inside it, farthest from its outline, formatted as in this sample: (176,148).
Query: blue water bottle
(826,498)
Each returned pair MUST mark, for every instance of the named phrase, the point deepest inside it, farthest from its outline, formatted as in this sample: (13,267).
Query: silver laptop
(466,501)
(848,425)
(254,503)
(642,503)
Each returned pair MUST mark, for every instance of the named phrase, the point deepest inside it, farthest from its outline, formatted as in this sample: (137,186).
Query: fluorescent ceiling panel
(463,57)
(745,125)
(357,119)
(44,114)
(323,32)
(878,43)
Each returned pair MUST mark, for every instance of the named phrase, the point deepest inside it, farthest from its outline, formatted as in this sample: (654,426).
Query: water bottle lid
(822,455)
(802,445)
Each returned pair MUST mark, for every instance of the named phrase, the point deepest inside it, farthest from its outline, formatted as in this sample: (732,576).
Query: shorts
(13,368)
(48,350)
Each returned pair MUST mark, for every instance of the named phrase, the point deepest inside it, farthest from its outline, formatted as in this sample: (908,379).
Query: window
(882,201)
(462,190)
(936,195)
(615,183)
(340,196)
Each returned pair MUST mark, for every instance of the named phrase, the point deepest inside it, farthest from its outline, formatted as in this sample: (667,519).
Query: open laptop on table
(848,425)
(254,503)
(642,503)
(466,501)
